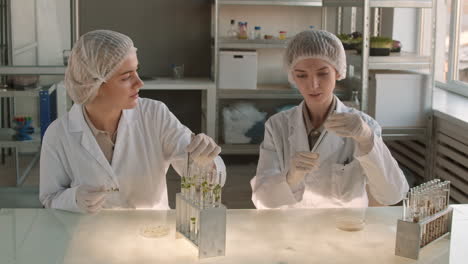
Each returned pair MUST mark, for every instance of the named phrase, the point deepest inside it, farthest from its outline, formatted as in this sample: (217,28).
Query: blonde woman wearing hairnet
(111,139)
(349,158)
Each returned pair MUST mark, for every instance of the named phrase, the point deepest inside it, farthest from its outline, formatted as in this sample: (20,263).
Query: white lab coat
(149,139)
(343,173)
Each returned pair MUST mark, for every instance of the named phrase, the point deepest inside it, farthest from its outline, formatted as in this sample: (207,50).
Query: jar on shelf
(242,30)
(232,32)
(282,35)
(258,32)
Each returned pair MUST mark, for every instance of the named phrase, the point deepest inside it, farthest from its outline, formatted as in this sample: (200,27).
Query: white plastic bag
(238,119)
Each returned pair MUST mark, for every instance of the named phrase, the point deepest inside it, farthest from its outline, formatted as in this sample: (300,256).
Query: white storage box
(398,99)
(237,70)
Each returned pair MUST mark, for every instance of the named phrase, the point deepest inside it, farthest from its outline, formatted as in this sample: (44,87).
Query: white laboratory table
(263,236)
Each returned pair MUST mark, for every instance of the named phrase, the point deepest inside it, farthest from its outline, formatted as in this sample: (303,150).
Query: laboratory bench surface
(253,236)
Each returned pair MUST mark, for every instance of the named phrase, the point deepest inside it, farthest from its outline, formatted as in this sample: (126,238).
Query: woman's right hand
(301,164)
(203,149)
(90,199)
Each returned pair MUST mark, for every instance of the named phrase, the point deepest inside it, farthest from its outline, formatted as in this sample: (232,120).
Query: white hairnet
(93,60)
(316,44)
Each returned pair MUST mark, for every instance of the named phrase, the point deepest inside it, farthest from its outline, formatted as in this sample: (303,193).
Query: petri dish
(350,223)
(154,231)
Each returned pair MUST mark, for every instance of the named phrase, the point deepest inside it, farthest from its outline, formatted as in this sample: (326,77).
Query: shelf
(38,70)
(225,43)
(379,3)
(240,149)
(6,141)
(25,92)
(396,61)
(265,91)
(395,133)
(165,83)
(317,3)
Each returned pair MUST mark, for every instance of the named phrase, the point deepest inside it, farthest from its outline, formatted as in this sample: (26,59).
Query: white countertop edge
(182,84)
(451,107)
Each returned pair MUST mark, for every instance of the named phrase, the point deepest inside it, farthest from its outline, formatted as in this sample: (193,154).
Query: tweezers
(319,140)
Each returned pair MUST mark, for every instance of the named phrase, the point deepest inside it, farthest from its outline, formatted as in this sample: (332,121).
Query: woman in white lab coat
(111,139)
(323,153)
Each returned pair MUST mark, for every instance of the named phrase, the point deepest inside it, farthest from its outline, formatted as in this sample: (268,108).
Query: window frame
(453,84)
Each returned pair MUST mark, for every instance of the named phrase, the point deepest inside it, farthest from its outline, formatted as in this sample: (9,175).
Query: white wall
(405,28)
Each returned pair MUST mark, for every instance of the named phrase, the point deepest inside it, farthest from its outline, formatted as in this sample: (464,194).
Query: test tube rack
(210,237)
(411,237)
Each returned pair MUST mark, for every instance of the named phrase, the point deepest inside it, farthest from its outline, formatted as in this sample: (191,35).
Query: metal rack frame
(47,113)
(47,97)
(412,62)
(264,91)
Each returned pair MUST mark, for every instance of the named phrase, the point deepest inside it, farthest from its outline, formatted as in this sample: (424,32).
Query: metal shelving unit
(47,98)
(251,44)
(402,61)
(379,3)
(272,91)
(27,92)
(396,61)
(272,2)
(263,91)
(36,70)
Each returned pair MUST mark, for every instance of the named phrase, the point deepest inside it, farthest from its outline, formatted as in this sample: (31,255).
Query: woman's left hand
(351,125)
(203,149)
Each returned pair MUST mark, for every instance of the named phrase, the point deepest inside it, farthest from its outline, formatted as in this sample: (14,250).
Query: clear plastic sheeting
(243,123)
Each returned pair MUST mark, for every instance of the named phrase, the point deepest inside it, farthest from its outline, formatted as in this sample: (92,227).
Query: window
(463,44)
(452,68)
(443,40)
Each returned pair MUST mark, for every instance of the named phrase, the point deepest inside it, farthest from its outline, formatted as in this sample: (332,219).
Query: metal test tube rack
(200,215)
(410,238)
(210,235)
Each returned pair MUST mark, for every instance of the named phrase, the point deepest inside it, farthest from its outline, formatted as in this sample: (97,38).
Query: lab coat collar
(298,140)
(77,124)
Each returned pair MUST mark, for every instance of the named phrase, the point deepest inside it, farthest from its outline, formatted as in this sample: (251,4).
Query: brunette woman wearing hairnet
(323,153)
(111,139)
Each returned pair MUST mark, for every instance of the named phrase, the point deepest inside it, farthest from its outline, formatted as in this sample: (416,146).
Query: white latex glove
(351,125)
(90,199)
(203,150)
(301,164)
